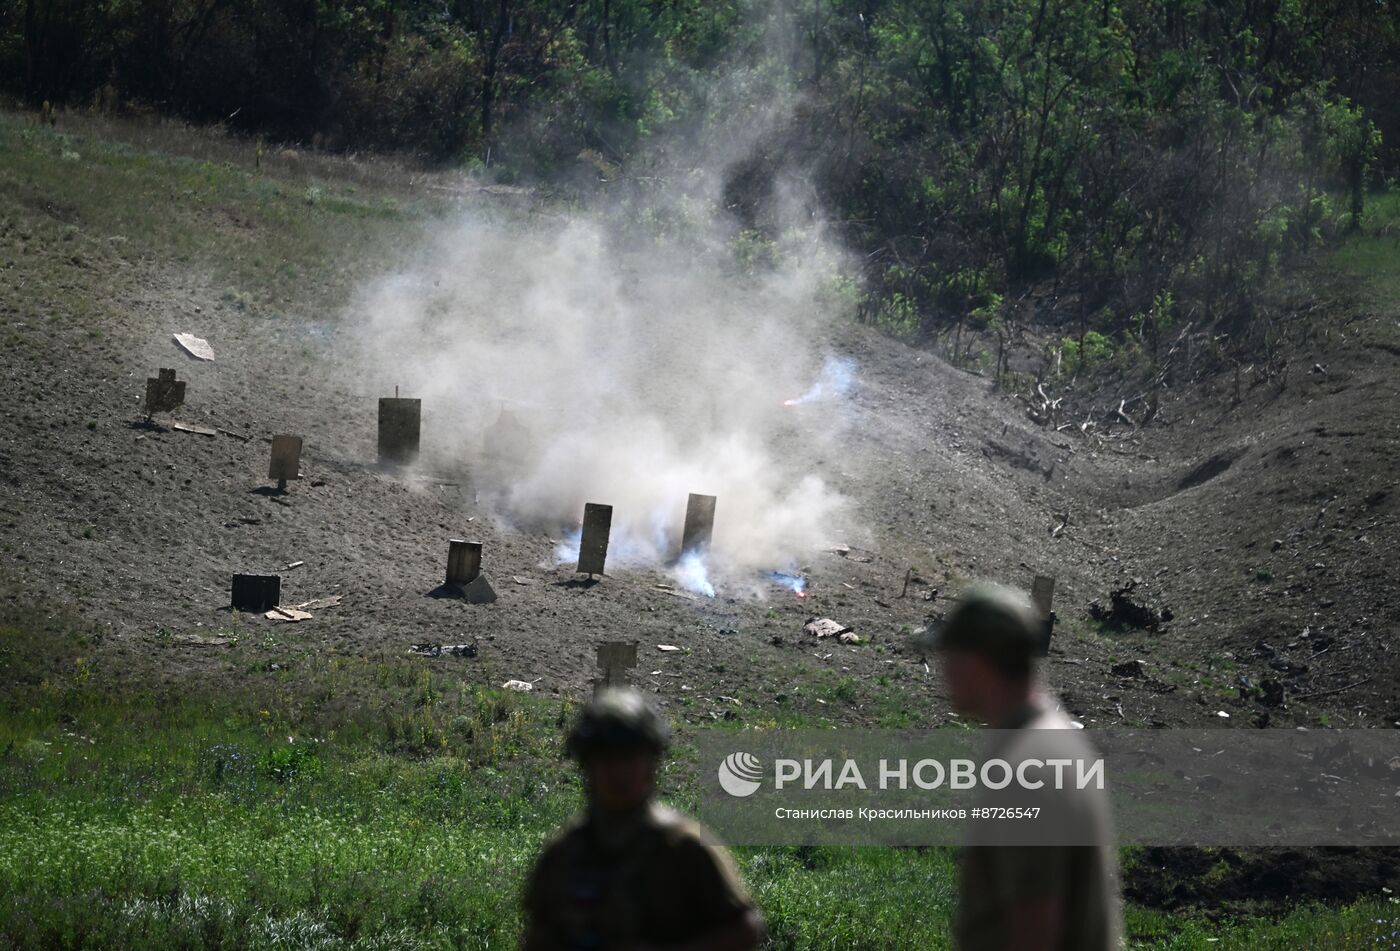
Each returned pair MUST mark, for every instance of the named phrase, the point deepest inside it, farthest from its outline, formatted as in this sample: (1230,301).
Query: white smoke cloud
(640,356)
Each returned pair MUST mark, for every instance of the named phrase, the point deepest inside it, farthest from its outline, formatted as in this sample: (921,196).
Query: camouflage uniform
(655,878)
(650,877)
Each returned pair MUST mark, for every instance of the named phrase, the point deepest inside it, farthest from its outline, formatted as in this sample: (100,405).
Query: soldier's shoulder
(567,838)
(679,829)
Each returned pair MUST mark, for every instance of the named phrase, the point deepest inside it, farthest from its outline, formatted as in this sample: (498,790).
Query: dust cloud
(630,353)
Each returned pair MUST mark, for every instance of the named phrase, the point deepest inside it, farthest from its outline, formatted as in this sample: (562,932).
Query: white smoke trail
(694,575)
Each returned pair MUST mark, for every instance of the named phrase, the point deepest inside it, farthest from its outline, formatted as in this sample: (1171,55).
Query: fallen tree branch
(1335,690)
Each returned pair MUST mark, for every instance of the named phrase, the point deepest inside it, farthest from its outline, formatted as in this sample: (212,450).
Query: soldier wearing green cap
(631,874)
(1015,897)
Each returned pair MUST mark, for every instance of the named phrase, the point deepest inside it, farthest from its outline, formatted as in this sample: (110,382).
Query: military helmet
(618,719)
(996,622)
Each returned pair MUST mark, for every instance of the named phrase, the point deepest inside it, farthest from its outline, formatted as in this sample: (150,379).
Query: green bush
(1095,351)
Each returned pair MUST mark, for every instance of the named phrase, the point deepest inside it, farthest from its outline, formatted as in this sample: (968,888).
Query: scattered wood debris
(519,686)
(194,428)
(1042,409)
(207,640)
(1334,690)
(196,347)
(280,613)
(320,603)
(301,612)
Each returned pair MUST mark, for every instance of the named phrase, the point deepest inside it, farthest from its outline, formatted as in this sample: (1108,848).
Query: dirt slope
(1268,529)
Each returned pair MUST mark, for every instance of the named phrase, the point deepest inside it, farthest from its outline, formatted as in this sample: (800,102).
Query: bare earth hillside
(1267,529)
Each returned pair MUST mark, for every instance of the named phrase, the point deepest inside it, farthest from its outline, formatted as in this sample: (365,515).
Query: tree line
(1139,163)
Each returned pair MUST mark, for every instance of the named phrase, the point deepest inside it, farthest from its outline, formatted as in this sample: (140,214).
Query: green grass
(280,799)
(270,237)
(380,802)
(1372,256)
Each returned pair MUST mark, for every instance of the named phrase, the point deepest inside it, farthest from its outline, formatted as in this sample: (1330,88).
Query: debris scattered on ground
(1130,668)
(194,428)
(280,613)
(824,627)
(295,564)
(668,648)
(207,640)
(842,550)
(452,650)
(850,637)
(519,686)
(301,612)
(519,580)
(1130,607)
(196,347)
(241,437)
(319,603)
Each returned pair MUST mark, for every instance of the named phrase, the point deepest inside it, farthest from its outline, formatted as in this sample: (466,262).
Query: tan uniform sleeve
(1027,871)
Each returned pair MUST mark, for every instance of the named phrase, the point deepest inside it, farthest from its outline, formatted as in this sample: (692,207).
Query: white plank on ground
(196,347)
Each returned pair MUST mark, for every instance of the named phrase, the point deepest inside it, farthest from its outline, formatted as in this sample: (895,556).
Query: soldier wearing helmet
(631,874)
(1013,895)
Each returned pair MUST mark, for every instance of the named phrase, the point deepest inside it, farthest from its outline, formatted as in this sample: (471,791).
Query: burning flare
(791,580)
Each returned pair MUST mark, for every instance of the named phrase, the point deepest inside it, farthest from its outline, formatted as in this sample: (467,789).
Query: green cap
(996,622)
(618,719)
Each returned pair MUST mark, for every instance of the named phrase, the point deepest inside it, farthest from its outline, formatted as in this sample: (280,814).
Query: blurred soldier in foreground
(630,874)
(1017,895)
